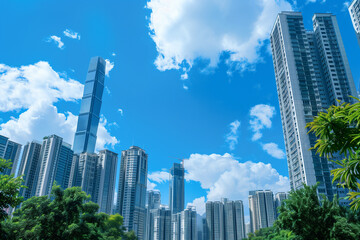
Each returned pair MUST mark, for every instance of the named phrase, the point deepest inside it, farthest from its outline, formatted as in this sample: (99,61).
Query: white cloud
(109,66)
(104,138)
(225,176)
(113,54)
(232,136)
(56,40)
(71,34)
(121,111)
(185,30)
(159,177)
(150,185)
(185,87)
(260,118)
(28,85)
(199,204)
(34,89)
(273,150)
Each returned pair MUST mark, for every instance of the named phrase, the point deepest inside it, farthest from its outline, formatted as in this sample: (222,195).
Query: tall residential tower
(85,136)
(261,206)
(132,190)
(9,150)
(177,189)
(354,10)
(312,72)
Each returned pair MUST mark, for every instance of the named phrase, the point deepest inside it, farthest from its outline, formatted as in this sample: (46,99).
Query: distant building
(154,199)
(55,164)
(153,202)
(261,206)
(183,225)
(160,224)
(354,10)
(225,220)
(10,150)
(105,180)
(312,72)
(95,174)
(279,198)
(132,190)
(29,169)
(177,188)
(88,121)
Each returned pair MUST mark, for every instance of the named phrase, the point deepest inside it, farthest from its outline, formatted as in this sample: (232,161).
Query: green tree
(338,133)
(271,233)
(309,218)
(67,214)
(9,189)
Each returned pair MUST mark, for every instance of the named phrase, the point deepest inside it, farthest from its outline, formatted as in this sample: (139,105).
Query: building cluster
(312,73)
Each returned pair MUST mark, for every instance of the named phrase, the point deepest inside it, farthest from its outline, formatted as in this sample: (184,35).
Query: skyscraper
(55,164)
(183,225)
(312,72)
(9,150)
(176,191)
(29,168)
(261,206)
(160,220)
(354,10)
(279,198)
(154,199)
(105,180)
(132,190)
(85,136)
(225,220)
(153,202)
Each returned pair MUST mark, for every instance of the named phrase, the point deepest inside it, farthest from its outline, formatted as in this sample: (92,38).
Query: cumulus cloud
(71,34)
(57,41)
(225,176)
(34,89)
(159,177)
(199,204)
(273,150)
(104,138)
(150,185)
(185,31)
(108,67)
(232,136)
(38,83)
(261,115)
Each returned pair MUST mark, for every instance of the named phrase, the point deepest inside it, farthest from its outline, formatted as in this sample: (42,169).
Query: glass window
(99,90)
(94,124)
(83,122)
(88,89)
(96,107)
(85,105)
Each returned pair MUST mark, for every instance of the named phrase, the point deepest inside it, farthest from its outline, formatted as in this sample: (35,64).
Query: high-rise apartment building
(105,180)
(132,190)
(160,224)
(183,225)
(354,10)
(177,188)
(88,121)
(279,198)
(312,72)
(261,206)
(225,220)
(55,164)
(9,150)
(153,202)
(29,169)
(153,199)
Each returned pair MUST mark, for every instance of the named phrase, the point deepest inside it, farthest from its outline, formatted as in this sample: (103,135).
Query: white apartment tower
(312,72)
(261,206)
(354,10)
(183,225)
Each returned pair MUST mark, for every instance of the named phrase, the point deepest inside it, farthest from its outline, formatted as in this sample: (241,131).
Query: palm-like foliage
(338,133)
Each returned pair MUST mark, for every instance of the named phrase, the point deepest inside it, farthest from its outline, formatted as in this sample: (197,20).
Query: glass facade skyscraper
(312,72)
(177,188)
(132,190)
(354,10)
(85,136)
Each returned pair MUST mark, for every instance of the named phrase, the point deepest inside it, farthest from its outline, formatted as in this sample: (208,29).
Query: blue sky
(203,100)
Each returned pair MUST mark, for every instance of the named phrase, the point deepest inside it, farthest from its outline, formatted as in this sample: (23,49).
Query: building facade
(354,10)
(29,169)
(183,225)
(261,207)
(312,72)
(10,150)
(177,188)
(88,121)
(160,224)
(55,164)
(132,190)
(279,198)
(225,220)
